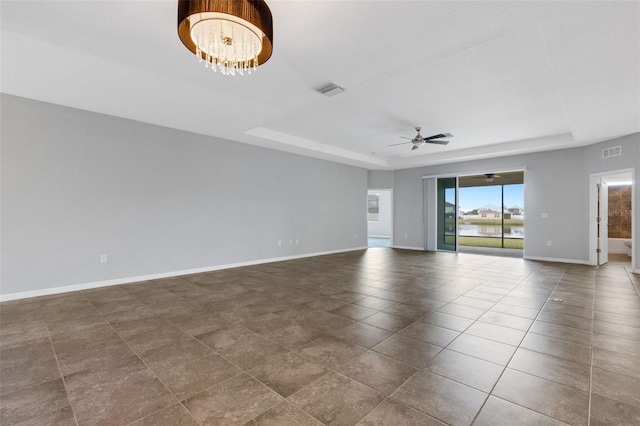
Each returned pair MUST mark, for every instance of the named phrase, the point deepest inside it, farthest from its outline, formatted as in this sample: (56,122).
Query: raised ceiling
(502,77)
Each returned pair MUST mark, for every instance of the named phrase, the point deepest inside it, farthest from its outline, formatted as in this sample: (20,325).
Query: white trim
(130,280)
(408,248)
(556,259)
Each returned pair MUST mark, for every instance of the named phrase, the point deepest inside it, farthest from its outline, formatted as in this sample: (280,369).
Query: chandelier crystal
(229,36)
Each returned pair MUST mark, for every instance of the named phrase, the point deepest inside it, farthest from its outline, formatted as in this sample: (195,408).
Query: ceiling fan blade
(404,137)
(437,142)
(401,143)
(414,147)
(440,136)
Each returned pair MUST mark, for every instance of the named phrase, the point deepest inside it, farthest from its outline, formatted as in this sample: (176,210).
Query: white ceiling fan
(419,140)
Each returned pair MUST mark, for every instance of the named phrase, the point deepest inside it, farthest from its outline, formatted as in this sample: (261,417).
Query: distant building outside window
(373,207)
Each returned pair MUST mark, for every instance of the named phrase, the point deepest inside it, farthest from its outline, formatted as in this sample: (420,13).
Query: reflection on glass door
(447,206)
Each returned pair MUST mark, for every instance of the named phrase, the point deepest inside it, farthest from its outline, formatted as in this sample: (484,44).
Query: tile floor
(375,337)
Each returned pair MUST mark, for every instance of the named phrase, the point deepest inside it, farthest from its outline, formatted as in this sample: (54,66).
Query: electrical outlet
(104,258)
(355,236)
(544,216)
(296,242)
(290,242)
(279,242)
(549,242)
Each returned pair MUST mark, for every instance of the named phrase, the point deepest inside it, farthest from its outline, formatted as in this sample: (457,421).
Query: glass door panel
(447,214)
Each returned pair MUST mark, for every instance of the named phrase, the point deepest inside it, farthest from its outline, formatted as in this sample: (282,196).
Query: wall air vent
(615,151)
(329,89)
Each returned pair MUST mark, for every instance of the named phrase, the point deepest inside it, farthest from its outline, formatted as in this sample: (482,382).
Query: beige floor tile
(331,351)
(605,412)
(283,414)
(377,371)
(175,415)
(362,334)
(337,400)
(288,373)
(617,387)
(444,399)
(558,348)
(407,350)
(551,368)
(430,333)
(294,336)
(465,369)
(558,401)
(46,401)
(386,321)
(392,412)
(233,402)
(488,350)
(497,411)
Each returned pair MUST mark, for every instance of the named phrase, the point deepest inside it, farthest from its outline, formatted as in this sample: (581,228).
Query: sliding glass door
(447,214)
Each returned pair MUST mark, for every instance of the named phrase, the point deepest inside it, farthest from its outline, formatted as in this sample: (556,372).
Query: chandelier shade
(230,36)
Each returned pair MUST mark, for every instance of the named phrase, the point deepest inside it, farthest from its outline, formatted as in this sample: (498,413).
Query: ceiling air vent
(329,89)
(615,151)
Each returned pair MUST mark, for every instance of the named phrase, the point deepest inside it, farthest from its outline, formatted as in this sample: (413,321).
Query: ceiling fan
(488,177)
(419,140)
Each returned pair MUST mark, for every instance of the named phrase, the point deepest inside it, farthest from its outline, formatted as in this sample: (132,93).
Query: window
(373,207)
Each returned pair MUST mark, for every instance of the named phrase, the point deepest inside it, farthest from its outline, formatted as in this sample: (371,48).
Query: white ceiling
(502,77)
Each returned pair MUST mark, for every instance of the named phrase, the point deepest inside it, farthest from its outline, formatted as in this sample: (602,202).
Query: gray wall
(556,183)
(76,185)
(380,179)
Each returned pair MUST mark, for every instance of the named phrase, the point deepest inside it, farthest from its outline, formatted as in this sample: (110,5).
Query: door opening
(611,218)
(379,218)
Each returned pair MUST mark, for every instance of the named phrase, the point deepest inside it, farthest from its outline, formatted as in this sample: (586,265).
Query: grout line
(64,382)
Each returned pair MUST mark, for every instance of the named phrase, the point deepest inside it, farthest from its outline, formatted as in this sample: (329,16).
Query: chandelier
(229,36)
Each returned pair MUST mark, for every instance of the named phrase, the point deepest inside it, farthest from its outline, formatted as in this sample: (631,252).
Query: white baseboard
(130,280)
(556,259)
(408,248)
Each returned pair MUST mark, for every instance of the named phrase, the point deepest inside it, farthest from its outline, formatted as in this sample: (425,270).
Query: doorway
(379,218)
(611,218)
